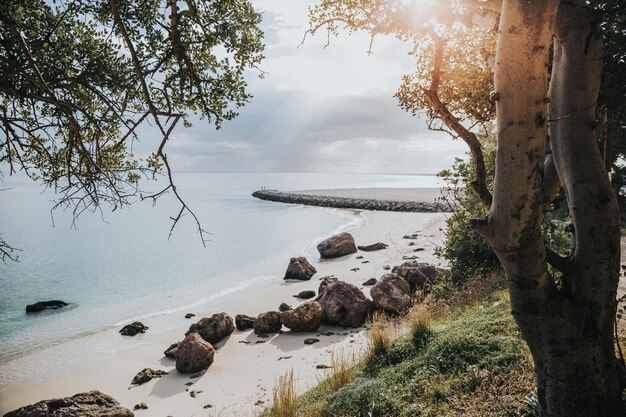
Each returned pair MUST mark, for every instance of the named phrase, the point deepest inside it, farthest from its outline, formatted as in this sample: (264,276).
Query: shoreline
(243,373)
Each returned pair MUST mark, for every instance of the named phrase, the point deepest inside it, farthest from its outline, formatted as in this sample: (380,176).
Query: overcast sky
(318,109)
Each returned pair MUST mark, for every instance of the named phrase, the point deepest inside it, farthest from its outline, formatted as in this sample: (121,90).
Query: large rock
(373,247)
(336,246)
(306,317)
(420,276)
(299,268)
(344,304)
(244,322)
(86,404)
(267,323)
(392,293)
(147,374)
(45,305)
(133,329)
(213,329)
(194,354)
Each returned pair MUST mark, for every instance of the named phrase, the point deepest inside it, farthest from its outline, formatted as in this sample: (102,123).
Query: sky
(318,109)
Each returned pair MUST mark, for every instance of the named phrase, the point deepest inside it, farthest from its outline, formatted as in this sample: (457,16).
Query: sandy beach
(246,367)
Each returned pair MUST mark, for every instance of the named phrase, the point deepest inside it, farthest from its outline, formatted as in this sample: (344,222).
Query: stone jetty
(351,203)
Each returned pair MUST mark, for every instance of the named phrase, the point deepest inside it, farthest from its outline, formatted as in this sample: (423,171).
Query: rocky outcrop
(300,269)
(170,352)
(306,317)
(244,322)
(267,323)
(213,329)
(45,305)
(373,247)
(305,295)
(392,293)
(343,304)
(133,329)
(420,276)
(194,354)
(147,374)
(92,404)
(337,246)
(351,203)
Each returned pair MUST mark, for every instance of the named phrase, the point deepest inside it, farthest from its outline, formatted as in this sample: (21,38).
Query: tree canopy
(78,78)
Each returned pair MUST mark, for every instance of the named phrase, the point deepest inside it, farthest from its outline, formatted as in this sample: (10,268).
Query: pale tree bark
(568,325)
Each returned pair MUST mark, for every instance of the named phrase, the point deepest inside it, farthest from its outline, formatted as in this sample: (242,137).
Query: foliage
(78,78)
(366,397)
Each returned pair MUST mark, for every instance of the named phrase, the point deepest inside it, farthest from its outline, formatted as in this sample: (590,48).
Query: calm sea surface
(120,266)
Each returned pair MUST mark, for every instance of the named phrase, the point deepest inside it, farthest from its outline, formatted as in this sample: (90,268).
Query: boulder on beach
(305,295)
(344,304)
(306,317)
(370,281)
(194,354)
(325,282)
(45,305)
(392,293)
(284,307)
(213,329)
(420,276)
(337,246)
(133,329)
(92,403)
(299,268)
(373,247)
(147,374)
(170,352)
(267,323)
(244,322)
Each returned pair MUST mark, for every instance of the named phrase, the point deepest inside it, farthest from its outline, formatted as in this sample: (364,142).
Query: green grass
(470,362)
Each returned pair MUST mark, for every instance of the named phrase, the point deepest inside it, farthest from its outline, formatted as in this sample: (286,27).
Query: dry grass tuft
(420,321)
(381,334)
(342,371)
(283,398)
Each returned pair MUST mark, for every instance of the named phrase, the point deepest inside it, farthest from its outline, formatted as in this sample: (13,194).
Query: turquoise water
(114,267)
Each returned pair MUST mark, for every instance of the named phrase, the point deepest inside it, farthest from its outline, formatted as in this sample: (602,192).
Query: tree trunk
(568,325)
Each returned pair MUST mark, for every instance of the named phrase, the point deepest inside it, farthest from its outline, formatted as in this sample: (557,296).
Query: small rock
(365,262)
(45,305)
(386,267)
(355,269)
(310,340)
(259,341)
(359,257)
(208,406)
(328,334)
(140,406)
(305,295)
(284,357)
(373,247)
(189,315)
(322,367)
(146,375)
(411,243)
(284,307)
(133,328)
(244,322)
(370,281)
(259,402)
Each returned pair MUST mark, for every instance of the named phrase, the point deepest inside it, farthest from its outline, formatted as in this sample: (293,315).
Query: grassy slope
(470,362)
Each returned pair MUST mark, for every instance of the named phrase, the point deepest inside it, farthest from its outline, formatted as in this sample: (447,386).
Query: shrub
(364,397)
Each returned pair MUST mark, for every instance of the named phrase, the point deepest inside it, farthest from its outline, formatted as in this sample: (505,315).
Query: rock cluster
(351,203)
(92,403)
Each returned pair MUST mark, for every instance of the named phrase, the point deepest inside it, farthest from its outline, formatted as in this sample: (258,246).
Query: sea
(121,266)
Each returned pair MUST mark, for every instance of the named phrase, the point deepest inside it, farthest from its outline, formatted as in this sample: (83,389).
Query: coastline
(242,373)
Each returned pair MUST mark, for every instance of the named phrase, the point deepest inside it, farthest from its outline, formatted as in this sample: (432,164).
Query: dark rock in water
(170,352)
(392,293)
(284,307)
(305,295)
(133,328)
(140,406)
(267,323)
(344,304)
(420,276)
(337,246)
(306,317)
(299,268)
(45,305)
(189,315)
(147,374)
(244,322)
(370,281)
(310,341)
(92,404)
(373,247)
(213,329)
(194,354)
